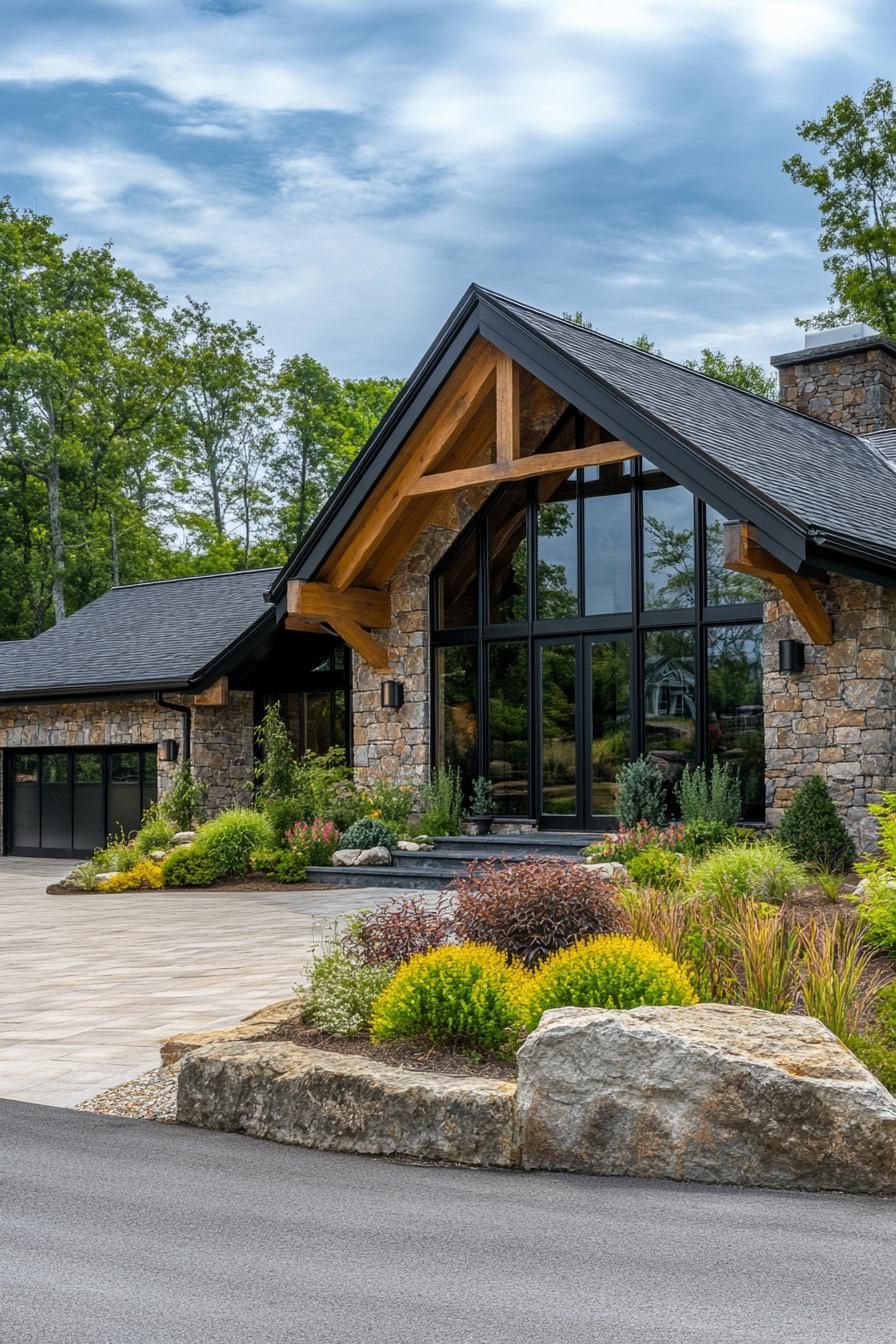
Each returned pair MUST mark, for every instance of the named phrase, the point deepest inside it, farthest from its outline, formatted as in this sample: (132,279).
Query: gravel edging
(151,1096)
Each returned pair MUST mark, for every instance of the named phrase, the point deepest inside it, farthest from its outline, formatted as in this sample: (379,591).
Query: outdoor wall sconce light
(168,749)
(391,694)
(791,656)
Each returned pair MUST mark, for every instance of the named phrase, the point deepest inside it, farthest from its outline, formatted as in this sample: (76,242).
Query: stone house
(555,552)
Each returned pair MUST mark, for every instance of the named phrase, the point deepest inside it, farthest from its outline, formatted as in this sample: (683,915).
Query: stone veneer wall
(221,737)
(853,389)
(838,717)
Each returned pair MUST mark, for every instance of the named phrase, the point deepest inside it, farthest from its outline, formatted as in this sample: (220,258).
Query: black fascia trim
(64,695)
(784,537)
(385,442)
(851,568)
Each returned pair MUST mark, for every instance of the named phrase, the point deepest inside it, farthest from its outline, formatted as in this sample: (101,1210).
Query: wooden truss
(744,553)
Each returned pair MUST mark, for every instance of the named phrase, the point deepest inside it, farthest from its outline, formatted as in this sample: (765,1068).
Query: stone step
(399,875)
(459,859)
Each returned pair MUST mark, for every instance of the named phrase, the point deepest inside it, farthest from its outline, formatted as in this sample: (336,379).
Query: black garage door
(67,803)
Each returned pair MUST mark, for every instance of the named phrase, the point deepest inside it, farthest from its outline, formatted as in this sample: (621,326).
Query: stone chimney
(846,377)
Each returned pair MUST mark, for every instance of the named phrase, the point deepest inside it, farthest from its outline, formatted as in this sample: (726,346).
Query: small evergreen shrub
(400,929)
(188,866)
(144,874)
(314,842)
(813,832)
(481,802)
(442,802)
(467,998)
(529,909)
(367,834)
(181,804)
(710,795)
(660,868)
(608,972)
(761,872)
(342,988)
(284,865)
(641,795)
(229,838)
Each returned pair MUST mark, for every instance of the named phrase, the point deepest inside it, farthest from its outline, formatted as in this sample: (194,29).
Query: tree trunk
(113,547)
(57,543)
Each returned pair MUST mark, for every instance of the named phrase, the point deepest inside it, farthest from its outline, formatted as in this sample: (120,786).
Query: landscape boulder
(347,1103)
(377,857)
(708,1093)
(263,1022)
(609,871)
(183,838)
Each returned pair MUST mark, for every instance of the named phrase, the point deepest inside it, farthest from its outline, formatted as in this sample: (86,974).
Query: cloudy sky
(340,171)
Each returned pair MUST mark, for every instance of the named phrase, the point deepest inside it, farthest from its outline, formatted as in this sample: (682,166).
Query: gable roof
(816,493)
(174,634)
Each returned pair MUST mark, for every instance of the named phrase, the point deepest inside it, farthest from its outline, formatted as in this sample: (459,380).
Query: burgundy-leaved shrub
(399,929)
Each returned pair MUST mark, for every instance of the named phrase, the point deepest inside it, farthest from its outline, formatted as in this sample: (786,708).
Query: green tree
(855,185)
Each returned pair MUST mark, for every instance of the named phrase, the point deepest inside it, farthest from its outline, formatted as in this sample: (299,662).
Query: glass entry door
(584,722)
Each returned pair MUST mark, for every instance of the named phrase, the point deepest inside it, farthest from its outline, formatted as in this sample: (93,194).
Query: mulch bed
(405,1055)
(251,882)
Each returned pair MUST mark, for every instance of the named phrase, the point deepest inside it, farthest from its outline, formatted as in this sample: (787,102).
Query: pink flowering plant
(316,841)
(622,845)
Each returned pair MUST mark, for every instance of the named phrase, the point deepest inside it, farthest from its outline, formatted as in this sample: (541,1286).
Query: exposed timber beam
(744,553)
(216,696)
(507,398)
(362,641)
(539,464)
(305,626)
(369,607)
(467,387)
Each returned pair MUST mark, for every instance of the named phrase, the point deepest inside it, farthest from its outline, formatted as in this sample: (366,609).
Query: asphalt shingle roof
(144,635)
(826,478)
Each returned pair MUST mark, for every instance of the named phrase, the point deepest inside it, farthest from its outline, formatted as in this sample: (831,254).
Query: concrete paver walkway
(90,983)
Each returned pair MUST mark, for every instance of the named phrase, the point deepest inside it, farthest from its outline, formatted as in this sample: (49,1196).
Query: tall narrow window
(734,705)
(457,718)
(508,724)
(456,588)
(668,532)
(670,697)
(608,539)
(559,717)
(725,587)
(508,558)
(558,552)
(610,720)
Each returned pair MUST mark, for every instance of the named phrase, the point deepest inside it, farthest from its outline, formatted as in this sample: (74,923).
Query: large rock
(378,857)
(709,1093)
(263,1022)
(183,838)
(347,1103)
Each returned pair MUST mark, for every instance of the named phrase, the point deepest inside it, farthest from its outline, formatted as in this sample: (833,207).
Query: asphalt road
(126,1232)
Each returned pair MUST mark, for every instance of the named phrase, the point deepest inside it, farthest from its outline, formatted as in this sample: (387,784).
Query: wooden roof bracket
(350,612)
(744,553)
(216,696)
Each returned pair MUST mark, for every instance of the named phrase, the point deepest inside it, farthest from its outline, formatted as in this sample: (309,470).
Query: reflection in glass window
(725,587)
(669,559)
(124,767)
(610,721)
(55,767)
(734,702)
(89,767)
(25,767)
(558,560)
(508,743)
(456,589)
(318,735)
(457,711)
(508,558)
(608,540)
(558,729)
(670,684)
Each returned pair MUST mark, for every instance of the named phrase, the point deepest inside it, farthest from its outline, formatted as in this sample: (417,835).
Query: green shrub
(656,867)
(761,872)
(642,794)
(117,855)
(284,865)
(876,1046)
(482,801)
(876,909)
(619,846)
(710,795)
(327,783)
(813,832)
(390,803)
(283,813)
(181,804)
(276,767)
(367,834)
(699,838)
(442,802)
(154,833)
(611,971)
(467,997)
(229,839)
(188,866)
(342,987)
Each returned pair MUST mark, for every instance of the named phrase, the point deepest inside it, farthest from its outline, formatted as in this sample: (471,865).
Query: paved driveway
(90,983)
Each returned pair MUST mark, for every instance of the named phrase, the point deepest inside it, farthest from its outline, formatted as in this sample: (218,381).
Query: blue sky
(339,171)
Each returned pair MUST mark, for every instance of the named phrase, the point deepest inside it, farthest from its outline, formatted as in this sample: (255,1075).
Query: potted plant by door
(481,809)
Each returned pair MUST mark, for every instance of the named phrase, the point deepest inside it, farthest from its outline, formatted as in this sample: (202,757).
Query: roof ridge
(189,578)
(664,359)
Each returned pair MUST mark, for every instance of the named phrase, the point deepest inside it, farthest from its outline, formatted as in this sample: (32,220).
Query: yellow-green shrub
(467,997)
(611,971)
(143,874)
